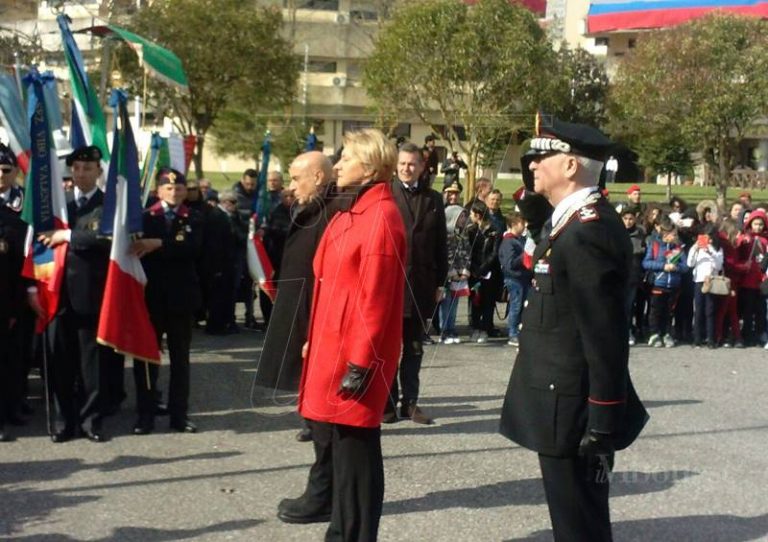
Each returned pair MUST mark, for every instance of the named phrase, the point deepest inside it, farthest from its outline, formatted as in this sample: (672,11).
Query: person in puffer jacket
(665,261)
(752,248)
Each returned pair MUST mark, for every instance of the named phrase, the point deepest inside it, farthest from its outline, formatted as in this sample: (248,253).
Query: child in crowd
(458,266)
(705,258)
(665,261)
(636,296)
(484,271)
(752,246)
(734,267)
(517,277)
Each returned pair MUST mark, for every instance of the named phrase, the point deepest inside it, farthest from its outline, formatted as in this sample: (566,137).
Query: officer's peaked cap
(167,175)
(7,158)
(90,153)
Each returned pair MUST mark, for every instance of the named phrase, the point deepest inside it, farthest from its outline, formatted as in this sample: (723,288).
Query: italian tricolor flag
(124,322)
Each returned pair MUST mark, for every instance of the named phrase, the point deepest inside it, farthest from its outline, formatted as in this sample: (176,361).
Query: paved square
(697,473)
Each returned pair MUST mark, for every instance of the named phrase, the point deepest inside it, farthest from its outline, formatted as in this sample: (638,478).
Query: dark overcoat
(280,361)
(426,266)
(571,372)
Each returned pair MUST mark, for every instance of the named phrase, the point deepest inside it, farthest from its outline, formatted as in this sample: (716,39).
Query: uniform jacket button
(551,387)
(526,303)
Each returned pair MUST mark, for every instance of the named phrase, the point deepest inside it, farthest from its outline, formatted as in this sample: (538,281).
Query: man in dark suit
(223,235)
(11,290)
(570,397)
(425,269)
(169,250)
(245,190)
(78,359)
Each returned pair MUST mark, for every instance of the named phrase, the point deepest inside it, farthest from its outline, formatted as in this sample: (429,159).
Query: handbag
(717,285)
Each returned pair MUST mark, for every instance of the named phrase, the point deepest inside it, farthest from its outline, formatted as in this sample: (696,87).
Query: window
(601,42)
(322,66)
(326,5)
(353,125)
(363,15)
(631,42)
(445,133)
(402,130)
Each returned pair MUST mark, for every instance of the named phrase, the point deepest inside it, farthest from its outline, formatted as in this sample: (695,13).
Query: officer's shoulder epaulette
(588,213)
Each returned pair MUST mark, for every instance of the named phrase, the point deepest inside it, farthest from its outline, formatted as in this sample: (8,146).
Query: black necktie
(81,201)
(170,214)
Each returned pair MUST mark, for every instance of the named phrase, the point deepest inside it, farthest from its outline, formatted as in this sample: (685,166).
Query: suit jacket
(356,311)
(426,265)
(172,281)
(87,258)
(571,370)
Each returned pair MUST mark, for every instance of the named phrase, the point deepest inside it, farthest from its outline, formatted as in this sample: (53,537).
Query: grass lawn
(651,192)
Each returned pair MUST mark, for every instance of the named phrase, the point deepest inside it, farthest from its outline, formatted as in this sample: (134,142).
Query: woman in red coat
(355,333)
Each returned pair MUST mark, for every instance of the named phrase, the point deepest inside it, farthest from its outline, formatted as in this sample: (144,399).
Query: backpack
(650,274)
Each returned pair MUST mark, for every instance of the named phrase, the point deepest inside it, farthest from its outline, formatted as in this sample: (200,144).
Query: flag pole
(46,376)
(144,101)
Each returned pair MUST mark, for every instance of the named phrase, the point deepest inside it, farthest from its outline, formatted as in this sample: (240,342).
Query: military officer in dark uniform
(11,289)
(77,357)
(169,250)
(18,338)
(570,397)
(426,269)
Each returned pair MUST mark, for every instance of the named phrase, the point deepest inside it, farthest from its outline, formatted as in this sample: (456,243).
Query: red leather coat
(357,310)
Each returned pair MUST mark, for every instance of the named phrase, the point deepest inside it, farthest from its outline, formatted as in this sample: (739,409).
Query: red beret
(633,188)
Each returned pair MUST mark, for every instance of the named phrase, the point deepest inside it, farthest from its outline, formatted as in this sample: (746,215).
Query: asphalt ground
(699,471)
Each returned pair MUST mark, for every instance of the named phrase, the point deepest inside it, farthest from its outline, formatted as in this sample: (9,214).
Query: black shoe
(297,511)
(390,416)
(143,427)
(63,436)
(95,435)
(161,409)
(250,322)
(4,437)
(305,435)
(183,425)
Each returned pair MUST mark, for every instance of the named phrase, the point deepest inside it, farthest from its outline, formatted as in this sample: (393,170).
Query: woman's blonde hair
(372,148)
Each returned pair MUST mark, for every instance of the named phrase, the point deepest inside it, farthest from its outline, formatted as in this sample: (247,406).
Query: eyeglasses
(6,169)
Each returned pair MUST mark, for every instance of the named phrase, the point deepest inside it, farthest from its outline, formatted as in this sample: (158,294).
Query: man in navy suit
(77,356)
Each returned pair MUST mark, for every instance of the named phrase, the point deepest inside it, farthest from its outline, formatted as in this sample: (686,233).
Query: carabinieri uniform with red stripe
(571,372)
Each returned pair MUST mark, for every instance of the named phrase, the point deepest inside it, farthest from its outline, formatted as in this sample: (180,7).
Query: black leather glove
(594,443)
(355,380)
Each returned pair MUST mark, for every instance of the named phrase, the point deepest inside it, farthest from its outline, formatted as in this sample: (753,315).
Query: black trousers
(410,365)
(662,305)
(177,326)
(577,496)
(752,314)
(358,484)
(221,301)
(6,383)
(318,494)
(77,378)
(481,310)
